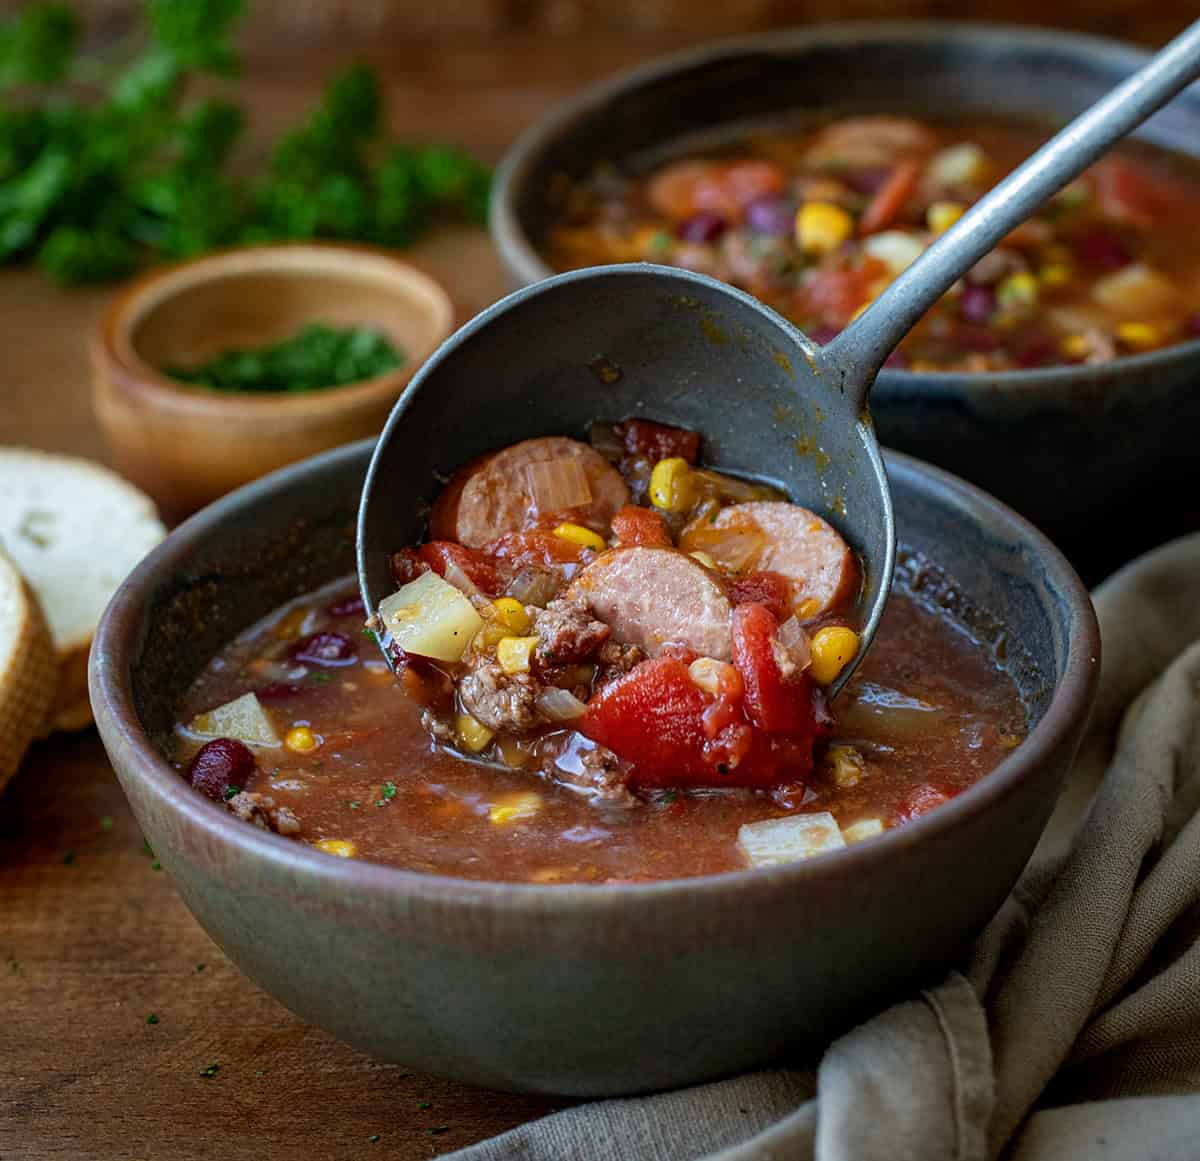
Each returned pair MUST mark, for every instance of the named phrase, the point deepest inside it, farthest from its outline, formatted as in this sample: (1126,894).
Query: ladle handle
(859,351)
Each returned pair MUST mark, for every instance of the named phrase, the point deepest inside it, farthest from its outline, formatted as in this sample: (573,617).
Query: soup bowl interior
(584,990)
(1120,432)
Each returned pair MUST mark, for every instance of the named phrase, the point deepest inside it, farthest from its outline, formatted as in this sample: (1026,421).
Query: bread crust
(29,673)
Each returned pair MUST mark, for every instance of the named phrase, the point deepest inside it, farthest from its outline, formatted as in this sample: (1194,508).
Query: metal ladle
(659,342)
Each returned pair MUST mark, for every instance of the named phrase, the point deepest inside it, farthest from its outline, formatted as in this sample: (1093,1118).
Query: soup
(817,223)
(612,665)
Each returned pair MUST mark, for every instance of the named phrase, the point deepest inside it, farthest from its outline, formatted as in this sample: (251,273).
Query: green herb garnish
(106,823)
(316,356)
(232,792)
(387,794)
(152,1018)
(210,1070)
(90,190)
(374,1138)
(320,678)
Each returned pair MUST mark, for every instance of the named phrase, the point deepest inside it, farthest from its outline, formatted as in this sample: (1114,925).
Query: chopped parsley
(147,849)
(424,1104)
(156,865)
(320,678)
(374,1138)
(387,794)
(437,1130)
(232,792)
(669,797)
(354,805)
(106,823)
(210,1070)
(201,966)
(152,1018)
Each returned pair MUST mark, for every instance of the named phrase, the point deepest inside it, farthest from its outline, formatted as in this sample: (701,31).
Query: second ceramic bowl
(186,446)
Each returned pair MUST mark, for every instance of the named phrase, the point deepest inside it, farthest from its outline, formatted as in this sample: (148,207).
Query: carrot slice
(889,199)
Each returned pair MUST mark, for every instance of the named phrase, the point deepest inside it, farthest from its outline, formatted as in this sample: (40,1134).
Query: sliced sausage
(501,492)
(797,543)
(655,597)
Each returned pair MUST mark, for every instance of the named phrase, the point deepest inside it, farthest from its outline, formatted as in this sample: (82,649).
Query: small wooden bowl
(188,445)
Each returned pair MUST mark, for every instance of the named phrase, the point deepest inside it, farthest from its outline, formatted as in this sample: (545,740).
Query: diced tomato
(833,295)
(654,717)
(635,525)
(480,571)
(772,589)
(407,565)
(921,800)
(889,200)
(1132,193)
(724,187)
(537,547)
(774,703)
(645,439)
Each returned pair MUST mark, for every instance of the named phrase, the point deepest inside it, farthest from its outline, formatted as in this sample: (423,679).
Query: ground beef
(567,633)
(438,729)
(584,764)
(616,660)
(261,811)
(501,701)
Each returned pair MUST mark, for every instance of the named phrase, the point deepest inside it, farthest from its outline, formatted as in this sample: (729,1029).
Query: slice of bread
(74,529)
(28,669)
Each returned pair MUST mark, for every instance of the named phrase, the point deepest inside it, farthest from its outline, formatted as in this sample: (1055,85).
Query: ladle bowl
(614,342)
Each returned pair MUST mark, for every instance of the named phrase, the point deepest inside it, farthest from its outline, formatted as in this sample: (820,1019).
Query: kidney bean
(347,607)
(704,226)
(1101,249)
(325,648)
(978,303)
(220,764)
(774,217)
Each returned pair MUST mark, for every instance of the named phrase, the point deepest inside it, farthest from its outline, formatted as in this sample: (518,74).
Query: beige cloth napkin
(1073,1031)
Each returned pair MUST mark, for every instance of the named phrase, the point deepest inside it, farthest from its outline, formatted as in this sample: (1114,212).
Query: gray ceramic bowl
(1101,458)
(580,990)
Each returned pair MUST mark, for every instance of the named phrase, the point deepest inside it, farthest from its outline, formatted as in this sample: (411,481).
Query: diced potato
(865,828)
(431,618)
(1137,290)
(776,841)
(243,718)
(964,164)
(895,249)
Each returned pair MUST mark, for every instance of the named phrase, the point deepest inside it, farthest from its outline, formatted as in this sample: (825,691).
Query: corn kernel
(809,607)
(846,765)
(546,875)
(490,634)
(822,227)
(512,753)
(1075,346)
(832,650)
(301,740)
(1055,274)
(706,672)
(671,486)
(964,164)
(942,215)
(511,614)
(1139,336)
(473,735)
(513,807)
(343,848)
(513,653)
(1018,292)
(704,559)
(585,537)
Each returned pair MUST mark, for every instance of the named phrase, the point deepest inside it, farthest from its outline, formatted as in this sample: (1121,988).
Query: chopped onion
(603,437)
(794,639)
(559,705)
(459,579)
(736,548)
(556,485)
(731,488)
(777,841)
(534,586)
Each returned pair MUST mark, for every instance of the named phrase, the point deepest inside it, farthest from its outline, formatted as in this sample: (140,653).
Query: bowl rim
(519,254)
(113,351)
(121,629)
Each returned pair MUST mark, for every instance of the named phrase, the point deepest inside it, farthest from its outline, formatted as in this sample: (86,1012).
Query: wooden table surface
(112,1000)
